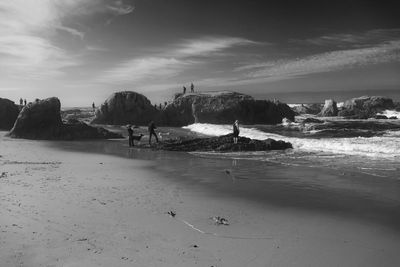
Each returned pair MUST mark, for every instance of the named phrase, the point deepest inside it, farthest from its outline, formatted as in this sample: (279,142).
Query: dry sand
(64,208)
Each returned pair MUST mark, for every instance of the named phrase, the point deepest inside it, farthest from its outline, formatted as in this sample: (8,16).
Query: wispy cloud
(171,62)
(28,29)
(207,45)
(119,8)
(352,40)
(324,62)
(144,68)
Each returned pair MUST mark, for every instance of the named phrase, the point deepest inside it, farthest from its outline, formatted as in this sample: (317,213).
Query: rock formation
(312,120)
(330,109)
(42,120)
(125,108)
(223,144)
(313,109)
(8,114)
(365,107)
(222,107)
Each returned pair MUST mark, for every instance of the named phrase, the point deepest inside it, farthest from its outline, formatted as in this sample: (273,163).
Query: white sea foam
(387,146)
(390,113)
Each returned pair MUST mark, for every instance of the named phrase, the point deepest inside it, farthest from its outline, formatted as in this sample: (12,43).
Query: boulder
(125,108)
(330,109)
(8,114)
(365,107)
(221,108)
(42,120)
(222,144)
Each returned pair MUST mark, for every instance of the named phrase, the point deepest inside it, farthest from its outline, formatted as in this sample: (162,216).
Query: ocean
(364,146)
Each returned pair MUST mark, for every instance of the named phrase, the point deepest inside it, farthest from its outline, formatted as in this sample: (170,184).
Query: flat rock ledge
(222,144)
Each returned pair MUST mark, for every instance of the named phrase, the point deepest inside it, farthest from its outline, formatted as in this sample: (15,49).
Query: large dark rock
(223,144)
(8,113)
(125,108)
(222,107)
(365,107)
(330,109)
(312,120)
(313,109)
(42,120)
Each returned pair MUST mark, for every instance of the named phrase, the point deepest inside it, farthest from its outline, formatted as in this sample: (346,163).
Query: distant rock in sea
(223,144)
(330,109)
(365,107)
(223,107)
(313,109)
(41,120)
(8,113)
(125,107)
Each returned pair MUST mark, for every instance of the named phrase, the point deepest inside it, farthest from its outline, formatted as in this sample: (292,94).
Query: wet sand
(103,204)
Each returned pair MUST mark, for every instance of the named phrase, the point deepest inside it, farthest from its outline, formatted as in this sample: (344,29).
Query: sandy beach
(63,207)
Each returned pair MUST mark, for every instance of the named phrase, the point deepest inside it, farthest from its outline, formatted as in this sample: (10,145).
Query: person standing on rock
(130,136)
(152,131)
(191,88)
(93,106)
(25,102)
(21,102)
(236,132)
(184,90)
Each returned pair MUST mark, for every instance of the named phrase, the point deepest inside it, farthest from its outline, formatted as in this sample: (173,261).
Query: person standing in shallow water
(152,131)
(236,132)
(130,135)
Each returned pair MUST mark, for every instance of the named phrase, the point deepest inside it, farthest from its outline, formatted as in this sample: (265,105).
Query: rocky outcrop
(42,120)
(365,107)
(125,108)
(313,109)
(222,107)
(330,109)
(312,120)
(8,113)
(223,144)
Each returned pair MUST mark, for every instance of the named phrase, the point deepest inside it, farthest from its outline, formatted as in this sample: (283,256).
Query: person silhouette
(152,131)
(236,131)
(184,90)
(130,136)
(191,88)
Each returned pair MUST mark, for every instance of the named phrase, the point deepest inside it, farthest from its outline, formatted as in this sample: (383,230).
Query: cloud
(352,40)
(29,28)
(325,62)
(207,45)
(72,31)
(144,68)
(170,62)
(119,8)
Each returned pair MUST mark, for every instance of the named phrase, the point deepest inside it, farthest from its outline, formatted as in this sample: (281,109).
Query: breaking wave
(384,146)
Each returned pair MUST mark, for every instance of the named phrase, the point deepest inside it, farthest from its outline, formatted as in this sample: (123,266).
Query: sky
(296,51)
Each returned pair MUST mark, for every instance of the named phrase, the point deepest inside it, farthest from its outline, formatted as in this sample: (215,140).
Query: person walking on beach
(130,135)
(191,88)
(235,131)
(152,131)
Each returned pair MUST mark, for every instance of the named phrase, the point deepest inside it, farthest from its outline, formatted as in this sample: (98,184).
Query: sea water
(366,146)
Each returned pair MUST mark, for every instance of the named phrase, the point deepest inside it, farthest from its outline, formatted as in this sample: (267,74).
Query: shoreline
(71,209)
